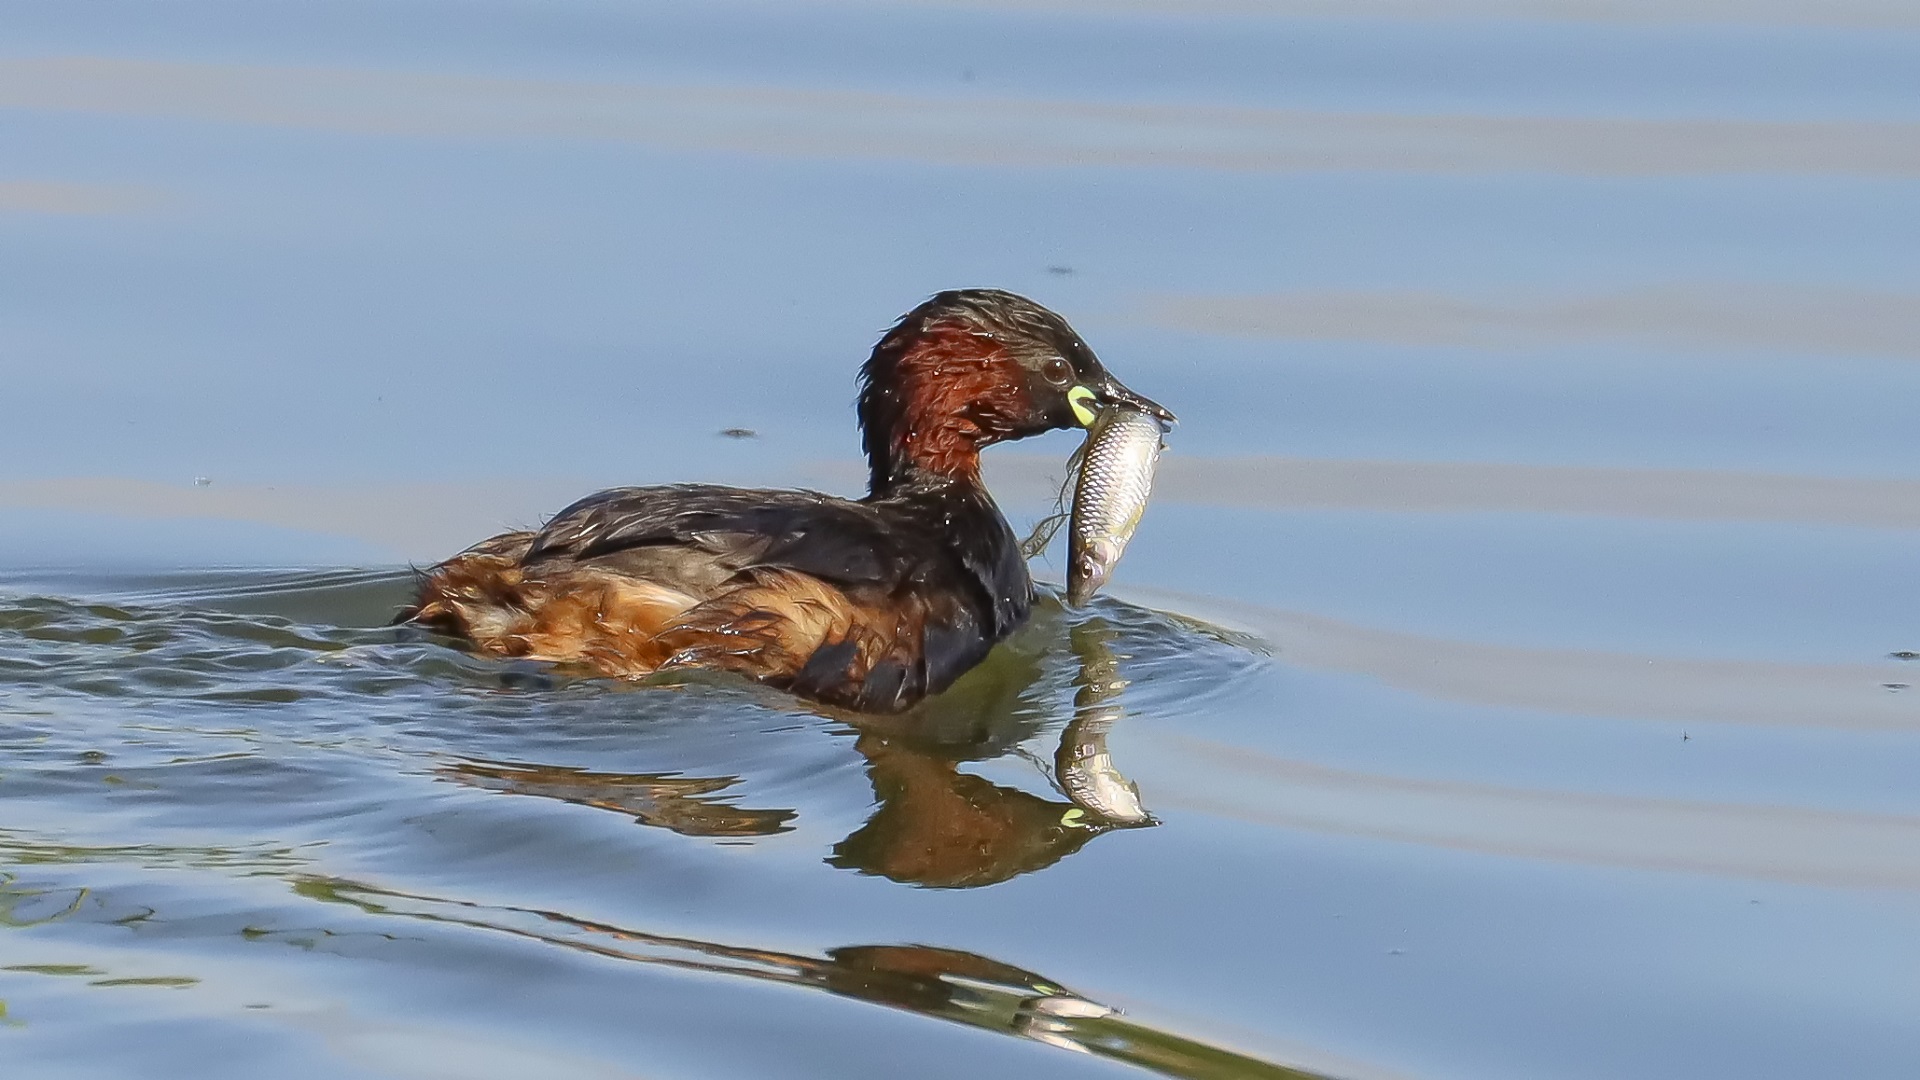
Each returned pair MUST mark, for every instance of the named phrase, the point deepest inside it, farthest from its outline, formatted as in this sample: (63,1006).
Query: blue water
(1514,651)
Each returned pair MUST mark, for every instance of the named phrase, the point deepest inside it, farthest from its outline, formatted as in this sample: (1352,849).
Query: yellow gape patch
(1080,398)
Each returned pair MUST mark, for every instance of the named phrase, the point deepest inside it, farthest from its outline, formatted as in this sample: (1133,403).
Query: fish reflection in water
(1082,766)
(933,824)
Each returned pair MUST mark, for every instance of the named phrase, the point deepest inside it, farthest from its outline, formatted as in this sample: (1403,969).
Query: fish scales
(1116,477)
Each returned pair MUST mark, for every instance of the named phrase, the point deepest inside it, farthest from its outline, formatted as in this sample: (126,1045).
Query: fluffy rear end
(563,614)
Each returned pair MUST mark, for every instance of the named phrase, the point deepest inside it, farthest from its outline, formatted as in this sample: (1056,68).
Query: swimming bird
(868,604)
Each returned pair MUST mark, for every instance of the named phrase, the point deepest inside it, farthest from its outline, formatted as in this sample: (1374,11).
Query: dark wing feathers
(865,604)
(806,531)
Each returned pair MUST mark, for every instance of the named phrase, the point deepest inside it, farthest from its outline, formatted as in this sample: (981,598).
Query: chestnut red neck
(934,397)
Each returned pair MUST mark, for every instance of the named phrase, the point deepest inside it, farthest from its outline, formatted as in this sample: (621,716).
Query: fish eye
(1057,371)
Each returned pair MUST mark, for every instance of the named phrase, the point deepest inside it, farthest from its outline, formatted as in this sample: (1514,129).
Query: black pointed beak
(1109,391)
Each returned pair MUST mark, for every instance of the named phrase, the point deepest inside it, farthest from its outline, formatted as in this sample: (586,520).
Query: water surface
(1513,677)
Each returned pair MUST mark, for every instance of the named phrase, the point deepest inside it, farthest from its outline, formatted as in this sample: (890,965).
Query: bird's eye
(1057,371)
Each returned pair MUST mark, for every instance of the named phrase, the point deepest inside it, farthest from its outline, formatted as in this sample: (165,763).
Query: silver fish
(1116,475)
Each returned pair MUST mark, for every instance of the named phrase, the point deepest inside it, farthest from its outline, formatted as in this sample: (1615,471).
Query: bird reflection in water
(940,827)
(933,825)
(945,984)
(665,800)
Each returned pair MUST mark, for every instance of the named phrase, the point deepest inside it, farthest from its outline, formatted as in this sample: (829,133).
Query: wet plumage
(870,604)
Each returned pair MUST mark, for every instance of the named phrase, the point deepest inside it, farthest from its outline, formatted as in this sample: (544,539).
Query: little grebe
(870,604)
